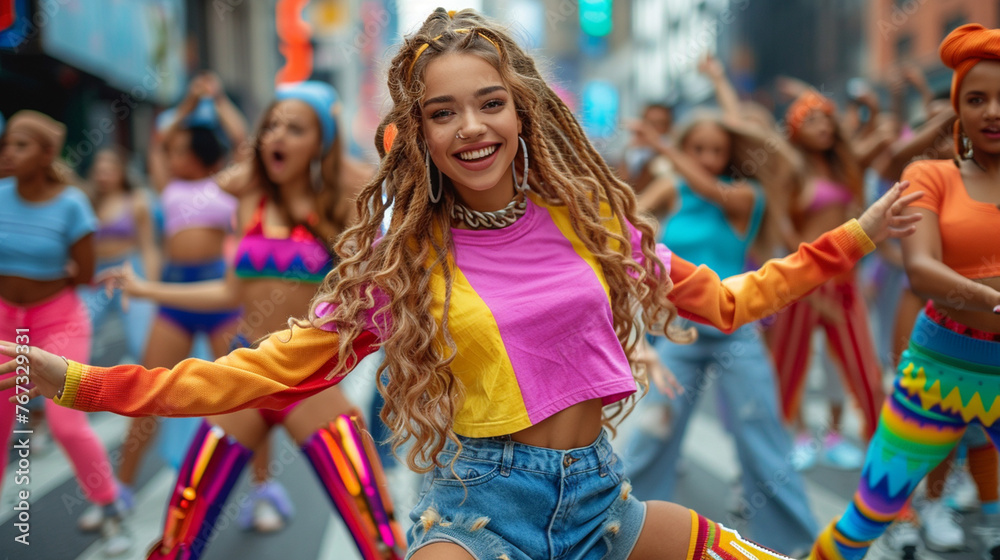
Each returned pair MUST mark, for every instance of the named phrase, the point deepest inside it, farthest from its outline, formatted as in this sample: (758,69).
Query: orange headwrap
(40,126)
(963,48)
(808,102)
(960,51)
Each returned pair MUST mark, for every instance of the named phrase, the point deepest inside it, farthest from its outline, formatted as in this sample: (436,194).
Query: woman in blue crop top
(288,215)
(716,217)
(46,250)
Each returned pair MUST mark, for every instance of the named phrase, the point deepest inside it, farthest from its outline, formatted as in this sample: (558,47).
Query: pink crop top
(196,204)
(828,193)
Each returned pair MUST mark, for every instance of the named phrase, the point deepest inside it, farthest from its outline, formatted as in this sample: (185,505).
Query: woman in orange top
(949,377)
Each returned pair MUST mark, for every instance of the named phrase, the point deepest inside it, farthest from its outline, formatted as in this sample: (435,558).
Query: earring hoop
(967,151)
(524,181)
(435,193)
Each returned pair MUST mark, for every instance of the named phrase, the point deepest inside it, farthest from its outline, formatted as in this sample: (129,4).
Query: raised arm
(725,93)
(736,199)
(233,123)
(287,366)
(932,139)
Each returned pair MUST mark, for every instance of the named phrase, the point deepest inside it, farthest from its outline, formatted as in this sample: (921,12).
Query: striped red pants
(849,340)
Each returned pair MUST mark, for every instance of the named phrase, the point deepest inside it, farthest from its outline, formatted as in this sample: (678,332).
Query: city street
(498,201)
(706,485)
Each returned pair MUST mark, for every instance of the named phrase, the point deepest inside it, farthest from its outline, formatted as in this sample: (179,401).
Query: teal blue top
(35,237)
(699,231)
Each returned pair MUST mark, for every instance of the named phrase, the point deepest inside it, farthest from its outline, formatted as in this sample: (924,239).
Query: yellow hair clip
(451,14)
(422,48)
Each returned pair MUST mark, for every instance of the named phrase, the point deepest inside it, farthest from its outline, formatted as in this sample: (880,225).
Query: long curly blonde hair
(391,279)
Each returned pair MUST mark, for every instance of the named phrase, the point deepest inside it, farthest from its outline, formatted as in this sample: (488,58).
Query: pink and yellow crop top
(300,256)
(967,247)
(530,315)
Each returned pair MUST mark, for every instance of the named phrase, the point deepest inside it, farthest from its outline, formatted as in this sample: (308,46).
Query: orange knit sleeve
(288,366)
(727,304)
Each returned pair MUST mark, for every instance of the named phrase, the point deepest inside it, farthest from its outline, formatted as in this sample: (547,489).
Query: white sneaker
(91,519)
(941,530)
(990,535)
(115,539)
(266,518)
(960,492)
(93,516)
(902,541)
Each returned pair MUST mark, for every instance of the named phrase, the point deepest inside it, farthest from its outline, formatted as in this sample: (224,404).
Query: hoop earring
(434,192)
(524,182)
(967,151)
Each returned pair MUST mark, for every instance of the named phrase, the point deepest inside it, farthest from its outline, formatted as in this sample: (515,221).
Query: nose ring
(459,136)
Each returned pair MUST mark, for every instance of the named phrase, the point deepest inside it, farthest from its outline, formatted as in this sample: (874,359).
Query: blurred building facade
(910,31)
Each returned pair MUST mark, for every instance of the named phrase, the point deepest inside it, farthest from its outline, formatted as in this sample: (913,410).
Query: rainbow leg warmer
(713,541)
(213,464)
(906,446)
(347,464)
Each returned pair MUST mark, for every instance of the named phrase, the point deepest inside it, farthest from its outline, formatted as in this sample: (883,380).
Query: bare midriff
(576,426)
(25,291)
(982,320)
(195,245)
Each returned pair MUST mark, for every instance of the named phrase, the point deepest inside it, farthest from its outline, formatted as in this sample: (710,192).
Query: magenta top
(531,316)
(829,193)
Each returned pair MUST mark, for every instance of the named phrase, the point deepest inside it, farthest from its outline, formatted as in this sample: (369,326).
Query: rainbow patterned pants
(945,382)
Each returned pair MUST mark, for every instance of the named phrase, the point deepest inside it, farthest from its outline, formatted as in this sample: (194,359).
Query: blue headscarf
(204,115)
(322,98)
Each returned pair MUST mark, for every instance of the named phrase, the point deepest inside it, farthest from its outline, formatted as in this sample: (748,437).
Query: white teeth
(476,154)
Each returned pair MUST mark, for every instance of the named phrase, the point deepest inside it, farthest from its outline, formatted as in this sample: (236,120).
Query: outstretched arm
(288,366)
(701,295)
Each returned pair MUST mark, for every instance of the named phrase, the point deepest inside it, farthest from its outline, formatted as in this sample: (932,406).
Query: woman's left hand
(885,218)
(46,371)
(662,377)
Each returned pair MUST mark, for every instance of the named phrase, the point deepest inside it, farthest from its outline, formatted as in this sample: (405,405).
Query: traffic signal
(595,17)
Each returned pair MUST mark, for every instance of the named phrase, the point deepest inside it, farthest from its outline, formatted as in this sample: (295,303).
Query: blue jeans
(529,502)
(136,322)
(748,397)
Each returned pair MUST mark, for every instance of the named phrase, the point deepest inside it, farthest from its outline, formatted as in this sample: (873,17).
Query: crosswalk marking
(52,468)
(146,522)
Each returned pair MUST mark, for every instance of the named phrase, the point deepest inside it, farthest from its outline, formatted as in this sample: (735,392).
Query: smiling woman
(471,127)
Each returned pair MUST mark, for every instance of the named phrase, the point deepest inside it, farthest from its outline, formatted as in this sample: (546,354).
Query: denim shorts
(510,500)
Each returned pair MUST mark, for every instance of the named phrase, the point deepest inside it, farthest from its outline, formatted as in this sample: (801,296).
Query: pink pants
(60,325)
